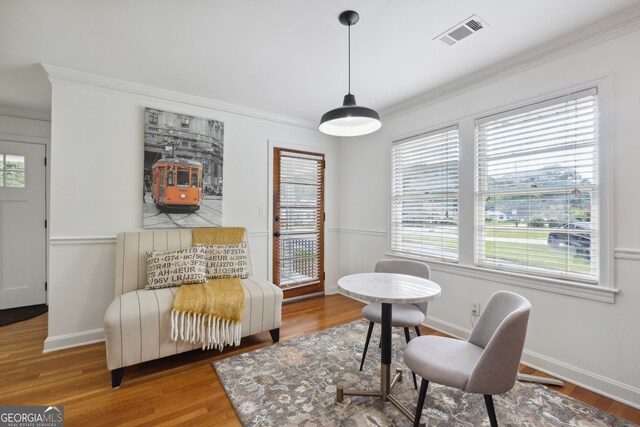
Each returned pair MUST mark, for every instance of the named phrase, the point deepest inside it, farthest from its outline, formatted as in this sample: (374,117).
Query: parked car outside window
(574,236)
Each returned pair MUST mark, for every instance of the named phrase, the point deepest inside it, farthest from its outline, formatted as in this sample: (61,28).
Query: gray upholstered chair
(486,364)
(402,315)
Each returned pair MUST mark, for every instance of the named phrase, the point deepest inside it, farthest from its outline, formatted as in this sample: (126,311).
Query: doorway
(22,224)
(298,222)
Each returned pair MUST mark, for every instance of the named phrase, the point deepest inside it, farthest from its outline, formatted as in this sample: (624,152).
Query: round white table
(388,289)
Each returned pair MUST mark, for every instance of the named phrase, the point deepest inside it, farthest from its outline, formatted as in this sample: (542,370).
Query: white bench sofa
(137,324)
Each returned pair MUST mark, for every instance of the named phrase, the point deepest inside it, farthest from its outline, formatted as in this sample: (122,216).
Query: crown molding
(605,30)
(25,114)
(60,74)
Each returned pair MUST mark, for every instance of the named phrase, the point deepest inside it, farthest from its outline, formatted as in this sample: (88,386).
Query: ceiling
(284,56)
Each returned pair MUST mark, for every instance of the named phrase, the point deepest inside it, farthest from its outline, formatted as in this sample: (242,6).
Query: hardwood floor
(181,389)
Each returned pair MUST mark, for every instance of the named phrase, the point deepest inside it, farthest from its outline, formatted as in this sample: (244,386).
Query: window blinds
(425,194)
(537,188)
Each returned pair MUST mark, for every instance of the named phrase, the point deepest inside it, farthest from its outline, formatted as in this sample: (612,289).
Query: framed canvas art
(182,183)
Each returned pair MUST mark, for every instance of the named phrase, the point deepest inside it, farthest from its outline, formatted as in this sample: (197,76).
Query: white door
(22,224)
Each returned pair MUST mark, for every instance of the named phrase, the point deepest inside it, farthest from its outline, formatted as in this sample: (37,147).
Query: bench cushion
(137,324)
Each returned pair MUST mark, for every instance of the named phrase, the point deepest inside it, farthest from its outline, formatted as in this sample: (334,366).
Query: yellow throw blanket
(210,313)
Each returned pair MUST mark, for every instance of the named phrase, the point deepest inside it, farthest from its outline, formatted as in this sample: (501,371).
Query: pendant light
(350,119)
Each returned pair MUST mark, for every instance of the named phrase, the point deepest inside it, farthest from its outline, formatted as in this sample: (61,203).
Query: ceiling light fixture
(350,119)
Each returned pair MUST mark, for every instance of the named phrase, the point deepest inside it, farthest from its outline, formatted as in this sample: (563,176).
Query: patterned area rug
(294,384)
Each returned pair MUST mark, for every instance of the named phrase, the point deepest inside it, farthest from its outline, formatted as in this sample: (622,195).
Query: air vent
(464,29)
(474,25)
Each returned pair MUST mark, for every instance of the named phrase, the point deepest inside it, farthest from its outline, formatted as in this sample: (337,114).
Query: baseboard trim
(62,342)
(303,297)
(604,386)
(607,387)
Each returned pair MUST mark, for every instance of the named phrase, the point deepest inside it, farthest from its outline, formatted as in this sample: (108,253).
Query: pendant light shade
(350,119)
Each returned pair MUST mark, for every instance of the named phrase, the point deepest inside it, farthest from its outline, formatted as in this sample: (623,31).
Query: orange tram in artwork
(176,183)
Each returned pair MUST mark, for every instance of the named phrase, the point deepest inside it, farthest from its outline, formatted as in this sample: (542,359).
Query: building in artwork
(173,135)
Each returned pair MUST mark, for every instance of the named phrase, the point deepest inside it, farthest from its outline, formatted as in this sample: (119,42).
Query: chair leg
(366,344)
(116,377)
(407,337)
(275,334)
(418,331)
(423,394)
(488,400)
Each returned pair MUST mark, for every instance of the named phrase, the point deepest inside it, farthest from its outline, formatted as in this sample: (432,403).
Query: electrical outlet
(475,308)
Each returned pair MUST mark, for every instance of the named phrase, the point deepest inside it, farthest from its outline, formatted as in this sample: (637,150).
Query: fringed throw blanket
(210,313)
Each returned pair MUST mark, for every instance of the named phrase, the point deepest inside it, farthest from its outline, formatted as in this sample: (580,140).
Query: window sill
(564,287)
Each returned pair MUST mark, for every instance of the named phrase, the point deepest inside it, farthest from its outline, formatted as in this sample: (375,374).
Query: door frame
(272,144)
(46,142)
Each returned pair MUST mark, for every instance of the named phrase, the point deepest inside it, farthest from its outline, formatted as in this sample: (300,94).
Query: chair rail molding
(627,253)
(376,233)
(82,240)
(109,240)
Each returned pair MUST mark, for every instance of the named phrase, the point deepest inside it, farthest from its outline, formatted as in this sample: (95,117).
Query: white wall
(592,343)
(17,129)
(96,177)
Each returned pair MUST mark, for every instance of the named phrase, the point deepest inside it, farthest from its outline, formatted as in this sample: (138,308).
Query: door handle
(276,234)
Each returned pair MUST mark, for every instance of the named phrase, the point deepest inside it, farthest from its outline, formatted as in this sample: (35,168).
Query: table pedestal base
(383,393)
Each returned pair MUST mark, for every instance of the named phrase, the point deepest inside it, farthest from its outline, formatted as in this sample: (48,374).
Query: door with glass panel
(22,224)
(298,222)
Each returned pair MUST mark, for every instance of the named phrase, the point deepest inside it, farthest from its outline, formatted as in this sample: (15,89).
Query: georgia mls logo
(31,416)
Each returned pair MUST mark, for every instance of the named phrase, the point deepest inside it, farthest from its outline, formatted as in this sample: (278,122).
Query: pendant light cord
(349,38)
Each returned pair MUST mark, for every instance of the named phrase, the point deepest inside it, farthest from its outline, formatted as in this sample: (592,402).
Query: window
(185,122)
(537,189)
(153,118)
(425,195)
(183,177)
(12,172)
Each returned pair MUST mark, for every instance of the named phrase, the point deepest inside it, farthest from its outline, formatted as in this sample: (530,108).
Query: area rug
(13,315)
(293,383)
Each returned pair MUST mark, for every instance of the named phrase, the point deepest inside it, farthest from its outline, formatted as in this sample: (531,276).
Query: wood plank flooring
(178,390)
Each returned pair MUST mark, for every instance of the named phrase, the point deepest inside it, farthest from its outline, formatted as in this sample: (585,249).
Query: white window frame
(483,230)
(415,138)
(605,290)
